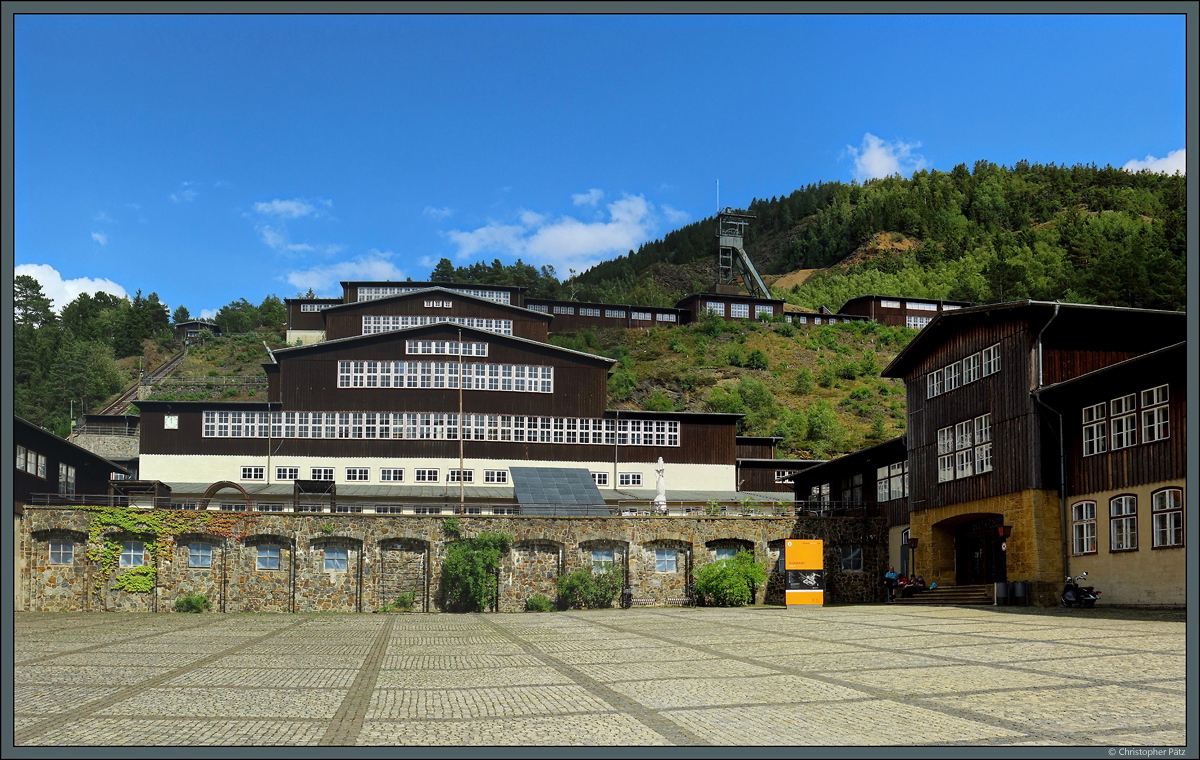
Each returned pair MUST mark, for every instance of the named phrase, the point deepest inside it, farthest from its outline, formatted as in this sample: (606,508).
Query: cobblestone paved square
(841,676)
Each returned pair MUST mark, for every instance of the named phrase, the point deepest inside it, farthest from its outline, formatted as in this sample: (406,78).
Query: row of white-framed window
(587,311)
(738,310)
(384,474)
(446,347)
(374,292)
(1166,514)
(965,449)
(384,323)
(963,372)
(518,378)
(31,462)
(440,426)
(1116,421)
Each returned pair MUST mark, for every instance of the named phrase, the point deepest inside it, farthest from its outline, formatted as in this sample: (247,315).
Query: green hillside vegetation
(989,234)
(816,387)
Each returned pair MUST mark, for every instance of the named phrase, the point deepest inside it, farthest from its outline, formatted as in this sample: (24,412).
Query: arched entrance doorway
(977,547)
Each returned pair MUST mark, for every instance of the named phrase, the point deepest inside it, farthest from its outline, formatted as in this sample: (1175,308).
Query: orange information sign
(803,563)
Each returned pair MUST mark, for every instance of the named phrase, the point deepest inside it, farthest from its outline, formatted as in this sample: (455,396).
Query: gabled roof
(405,333)
(32,430)
(440,290)
(908,298)
(1087,320)
(1167,353)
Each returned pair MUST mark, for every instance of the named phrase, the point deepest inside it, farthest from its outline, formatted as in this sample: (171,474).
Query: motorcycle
(1073,593)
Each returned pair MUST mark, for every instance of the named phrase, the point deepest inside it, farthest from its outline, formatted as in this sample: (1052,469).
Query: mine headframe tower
(732,260)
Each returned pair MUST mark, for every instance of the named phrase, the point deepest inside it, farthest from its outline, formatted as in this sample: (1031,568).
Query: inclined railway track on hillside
(129,395)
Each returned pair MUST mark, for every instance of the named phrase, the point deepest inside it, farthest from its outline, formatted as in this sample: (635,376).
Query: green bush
(584,588)
(658,402)
(404,603)
(469,571)
(804,381)
(734,357)
(538,603)
(729,582)
(621,385)
(192,602)
(757,360)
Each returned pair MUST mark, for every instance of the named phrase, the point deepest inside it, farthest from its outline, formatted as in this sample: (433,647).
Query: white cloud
(876,158)
(438,214)
(590,198)
(62,292)
(565,242)
(100,238)
(373,265)
(103,217)
(186,195)
(208,314)
(427,262)
(1174,162)
(675,216)
(290,209)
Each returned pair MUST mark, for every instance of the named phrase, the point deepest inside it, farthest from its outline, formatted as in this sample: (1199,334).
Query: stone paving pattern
(834,676)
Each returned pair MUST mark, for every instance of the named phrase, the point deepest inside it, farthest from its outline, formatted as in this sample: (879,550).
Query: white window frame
(1122,523)
(267,557)
(133,554)
(62,551)
(1166,510)
(253,473)
(1083,528)
(336,558)
(629,479)
(888,304)
(320,473)
(991,359)
(715,307)
(358,474)
(739,310)
(1123,421)
(199,554)
(495,476)
(426,475)
(391,474)
(285,472)
(1156,424)
(602,560)
(1095,427)
(600,478)
(455,475)
(665,561)
(970,369)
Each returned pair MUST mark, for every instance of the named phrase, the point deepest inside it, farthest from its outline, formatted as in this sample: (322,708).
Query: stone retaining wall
(389,554)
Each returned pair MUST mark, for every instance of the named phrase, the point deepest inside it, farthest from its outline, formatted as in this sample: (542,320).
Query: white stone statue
(660,498)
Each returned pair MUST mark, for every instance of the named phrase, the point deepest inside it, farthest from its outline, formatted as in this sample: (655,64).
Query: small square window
(664,561)
(199,555)
(170,422)
(62,552)
(267,557)
(133,554)
(852,559)
(335,559)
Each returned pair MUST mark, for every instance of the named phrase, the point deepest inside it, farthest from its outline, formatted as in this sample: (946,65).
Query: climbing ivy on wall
(157,528)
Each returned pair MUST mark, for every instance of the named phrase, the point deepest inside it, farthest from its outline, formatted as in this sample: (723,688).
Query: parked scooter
(1073,593)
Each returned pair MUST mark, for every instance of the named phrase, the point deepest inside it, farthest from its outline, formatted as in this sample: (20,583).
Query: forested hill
(985,234)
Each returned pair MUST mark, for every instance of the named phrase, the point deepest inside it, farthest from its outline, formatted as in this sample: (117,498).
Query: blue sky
(210,158)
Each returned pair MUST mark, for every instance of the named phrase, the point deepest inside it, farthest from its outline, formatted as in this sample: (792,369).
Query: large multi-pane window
(1095,437)
(664,561)
(426,475)
(600,478)
(252,473)
(358,474)
(935,383)
(1166,509)
(320,473)
(763,309)
(1083,527)
(373,292)
(715,307)
(629,479)
(377,324)
(970,368)
(915,323)
(62,551)
(1122,523)
(200,554)
(391,474)
(460,476)
(495,476)
(965,448)
(739,310)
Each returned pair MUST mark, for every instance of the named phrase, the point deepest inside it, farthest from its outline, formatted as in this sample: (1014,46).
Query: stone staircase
(952,595)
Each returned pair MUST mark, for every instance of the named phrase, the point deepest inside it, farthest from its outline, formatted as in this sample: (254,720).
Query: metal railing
(105,430)
(626,508)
